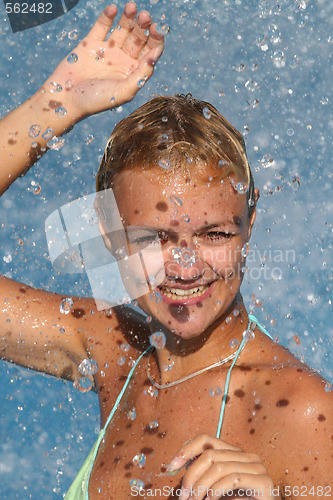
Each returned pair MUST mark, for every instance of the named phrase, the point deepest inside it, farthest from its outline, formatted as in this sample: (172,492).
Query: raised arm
(100,73)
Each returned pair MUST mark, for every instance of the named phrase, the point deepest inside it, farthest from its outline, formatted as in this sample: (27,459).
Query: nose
(184,263)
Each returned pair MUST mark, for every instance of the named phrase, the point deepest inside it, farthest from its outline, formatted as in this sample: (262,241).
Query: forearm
(25,132)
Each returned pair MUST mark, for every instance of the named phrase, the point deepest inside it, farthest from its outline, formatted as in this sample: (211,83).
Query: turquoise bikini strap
(226,385)
(115,406)
(253,318)
(227,381)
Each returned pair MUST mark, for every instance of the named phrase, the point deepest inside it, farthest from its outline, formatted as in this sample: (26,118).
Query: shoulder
(302,420)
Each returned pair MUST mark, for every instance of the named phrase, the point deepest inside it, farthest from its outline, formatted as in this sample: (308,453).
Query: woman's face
(200,230)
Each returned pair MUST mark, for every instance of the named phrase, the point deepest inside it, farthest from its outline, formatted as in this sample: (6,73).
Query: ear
(254,213)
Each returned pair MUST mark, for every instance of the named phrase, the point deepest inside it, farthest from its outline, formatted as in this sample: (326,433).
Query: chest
(150,426)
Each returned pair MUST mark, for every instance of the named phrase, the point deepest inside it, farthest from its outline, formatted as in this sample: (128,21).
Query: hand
(214,466)
(108,71)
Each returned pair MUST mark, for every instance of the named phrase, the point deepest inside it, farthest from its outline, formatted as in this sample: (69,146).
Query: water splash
(139,460)
(184,256)
(34,131)
(88,367)
(151,391)
(66,305)
(72,58)
(157,340)
(215,391)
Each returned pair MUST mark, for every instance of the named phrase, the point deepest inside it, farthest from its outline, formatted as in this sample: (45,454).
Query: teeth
(176,293)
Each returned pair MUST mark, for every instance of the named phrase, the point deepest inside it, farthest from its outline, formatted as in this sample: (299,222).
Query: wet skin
(272,395)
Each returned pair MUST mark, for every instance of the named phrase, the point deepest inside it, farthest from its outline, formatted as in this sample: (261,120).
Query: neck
(219,341)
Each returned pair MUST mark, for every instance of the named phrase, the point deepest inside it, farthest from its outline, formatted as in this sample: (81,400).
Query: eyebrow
(237,222)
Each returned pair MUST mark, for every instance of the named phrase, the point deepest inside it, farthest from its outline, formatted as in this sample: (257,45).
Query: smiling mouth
(180,294)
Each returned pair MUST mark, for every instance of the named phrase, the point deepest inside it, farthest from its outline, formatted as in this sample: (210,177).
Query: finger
(144,70)
(155,40)
(137,38)
(212,465)
(103,24)
(125,25)
(258,487)
(220,470)
(197,446)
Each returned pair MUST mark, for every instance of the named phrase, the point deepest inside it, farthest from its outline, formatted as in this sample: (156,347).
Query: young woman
(211,407)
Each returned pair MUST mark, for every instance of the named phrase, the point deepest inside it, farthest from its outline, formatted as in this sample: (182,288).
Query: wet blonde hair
(177,133)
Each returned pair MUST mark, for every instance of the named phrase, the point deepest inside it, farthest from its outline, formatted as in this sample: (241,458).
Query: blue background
(213,49)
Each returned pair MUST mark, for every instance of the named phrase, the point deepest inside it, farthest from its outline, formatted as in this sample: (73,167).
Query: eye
(217,236)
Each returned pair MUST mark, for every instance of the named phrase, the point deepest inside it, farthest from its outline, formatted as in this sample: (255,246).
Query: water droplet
(84,384)
(239,67)
(164,119)
(328,387)
(55,87)
(34,131)
(295,183)
(89,139)
(274,34)
(88,367)
(184,256)
(121,361)
(153,424)
(278,59)
(162,29)
(290,132)
(254,103)
(233,343)
(73,35)
(302,4)
(242,187)
(124,347)
(186,218)
(56,143)
(157,340)
(118,27)
(66,305)
(141,82)
(222,163)
(68,84)
(260,40)
(131,415)
(155,297)
(72,58)
(176,201)
(207,113)
(139,460)
(324,101)
(60,36)
(61,111)
(153,2)
(215,391)
(236,312)
(162,138)
(294,62)
(267,161)
(244,251)
(151,391)
(164,163)
(252,85)
(137,484)
(7,258)
(121,253)
(48,133)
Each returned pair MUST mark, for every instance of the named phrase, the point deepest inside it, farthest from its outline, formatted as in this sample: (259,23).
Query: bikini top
(79,487)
